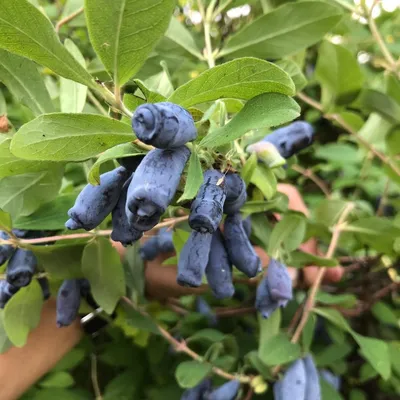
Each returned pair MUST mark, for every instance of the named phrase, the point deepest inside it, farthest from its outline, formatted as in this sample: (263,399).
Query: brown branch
(310,175)
(348,128)
(181,346)
(68,18)
(18,242)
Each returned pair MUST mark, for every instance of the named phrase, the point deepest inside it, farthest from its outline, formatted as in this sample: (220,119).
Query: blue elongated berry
(313,389)
(44,284)
(163,125)
(94,203)
(68,302)
(198,392)
(293,384)
(203,308)
(164,239)
(228,391)
(6,292)
(292,138)
(207,208)
(193,259)
(331,378)
(21,267)
(131,163)
(240,251)
(122,231)
(279,281)
(153,186)
(219,269)
(6,250)
(247,226)
(236,194)
(264,303)
(150,249)
(274,290)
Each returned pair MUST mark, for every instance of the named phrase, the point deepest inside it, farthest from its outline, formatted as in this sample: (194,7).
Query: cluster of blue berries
(21,267)
(139,192)
(301,381)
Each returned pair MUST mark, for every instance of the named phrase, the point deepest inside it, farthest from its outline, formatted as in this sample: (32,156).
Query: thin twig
(348,128)
(383,201)
(207,20)
(92,234)
(310,175)
(310,302)
(183,348)
(96,103)
(221,8)
(68,18)
(379,40)
(95,381)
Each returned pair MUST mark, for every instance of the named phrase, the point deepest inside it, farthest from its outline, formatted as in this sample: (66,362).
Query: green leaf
(287,234)
(279,350)
(70,7)
(328,211)
(51,215)
(182,36)
(249,168)
(333,353)
(345,300)
(59,379)
(278,203)
(308,333)
(284,31)
(384,313)
(269,327)
(119,151)
(22,313)
(194,178)
(5,343)
(339,73)
(101,265)
(26,31)
(161,82)
(59,394)
(206,335)
(265,180)
(73,94)
(379,233)
(71,360)
(263,111)
(68,137)
(190,373)
(294,71)
(372,100)
(5,220)
(122,387)
(335,317)
(23,80)
(340,153)
(328,392)
(150,95)
(137,320)
(244,79)
(11,165)
(302,259)
(377,353)
(22,195)
(124,32)
(61,261)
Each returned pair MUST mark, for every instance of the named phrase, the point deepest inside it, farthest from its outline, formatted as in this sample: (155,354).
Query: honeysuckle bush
(73,72)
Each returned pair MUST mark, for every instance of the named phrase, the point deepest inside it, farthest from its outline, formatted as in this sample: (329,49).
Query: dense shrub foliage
(169,126)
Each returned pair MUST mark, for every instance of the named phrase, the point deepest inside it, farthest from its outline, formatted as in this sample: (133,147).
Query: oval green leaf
(244,79)
(68,137)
